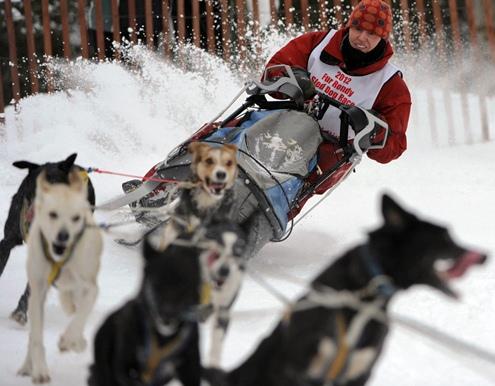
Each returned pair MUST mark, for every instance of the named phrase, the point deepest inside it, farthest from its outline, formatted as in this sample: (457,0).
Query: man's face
(362,40)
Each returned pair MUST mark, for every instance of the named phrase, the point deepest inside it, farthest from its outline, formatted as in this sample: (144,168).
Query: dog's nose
(63,236)
(224,271)
(221,175)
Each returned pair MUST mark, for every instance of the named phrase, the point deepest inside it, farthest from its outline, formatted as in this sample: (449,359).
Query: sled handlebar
(363,122)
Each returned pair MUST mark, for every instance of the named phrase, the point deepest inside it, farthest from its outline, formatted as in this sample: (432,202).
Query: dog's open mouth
(59,249)
(215,188)
(460,266)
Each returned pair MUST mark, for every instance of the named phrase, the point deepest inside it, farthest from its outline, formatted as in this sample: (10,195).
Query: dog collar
(56,266)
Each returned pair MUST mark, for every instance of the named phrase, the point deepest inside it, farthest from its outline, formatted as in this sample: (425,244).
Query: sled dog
(225,261)
(64,248)
(214,171)
(334,334)
(21,212)
(153,338)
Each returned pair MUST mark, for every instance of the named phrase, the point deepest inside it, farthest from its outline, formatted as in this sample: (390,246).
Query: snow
(126,119)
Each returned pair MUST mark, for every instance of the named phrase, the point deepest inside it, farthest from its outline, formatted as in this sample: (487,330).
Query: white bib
(359,90)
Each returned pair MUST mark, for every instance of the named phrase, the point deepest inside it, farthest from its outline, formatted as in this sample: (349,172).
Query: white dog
(64,248)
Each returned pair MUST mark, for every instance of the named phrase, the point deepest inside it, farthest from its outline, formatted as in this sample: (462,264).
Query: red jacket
(393,102)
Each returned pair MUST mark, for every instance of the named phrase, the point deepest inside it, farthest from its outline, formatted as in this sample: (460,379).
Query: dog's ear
(76,181)
(231,147)
(42,184)
(25,165)
(394,215)
(67,164)
(195,148)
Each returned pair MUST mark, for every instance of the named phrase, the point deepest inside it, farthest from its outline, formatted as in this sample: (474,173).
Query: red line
(96,170)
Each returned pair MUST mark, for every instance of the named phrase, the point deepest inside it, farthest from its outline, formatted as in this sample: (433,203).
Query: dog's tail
(26,165)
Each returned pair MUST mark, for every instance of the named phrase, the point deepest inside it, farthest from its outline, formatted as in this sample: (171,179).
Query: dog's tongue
(463,263)
(216,187)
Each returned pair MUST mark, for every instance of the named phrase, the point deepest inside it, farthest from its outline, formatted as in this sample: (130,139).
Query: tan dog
(211,195)
(64,248)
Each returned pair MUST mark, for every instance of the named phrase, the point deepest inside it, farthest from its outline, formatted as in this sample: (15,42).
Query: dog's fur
(313,344)
(224,272)
(214,170)
(22,209)
(154,337)
(63,231)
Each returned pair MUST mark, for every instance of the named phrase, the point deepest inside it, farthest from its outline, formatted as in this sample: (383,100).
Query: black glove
(304,82)
(358,120)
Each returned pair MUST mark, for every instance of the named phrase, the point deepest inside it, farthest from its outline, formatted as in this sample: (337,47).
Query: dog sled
(277,144)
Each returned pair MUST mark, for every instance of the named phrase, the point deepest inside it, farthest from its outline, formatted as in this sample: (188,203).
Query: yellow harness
(338,364)
(156,355)
(56,266)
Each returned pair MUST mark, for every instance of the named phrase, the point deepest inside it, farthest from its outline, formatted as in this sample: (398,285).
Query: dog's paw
(42,377)
(19,316)
(70,343)
(25,370)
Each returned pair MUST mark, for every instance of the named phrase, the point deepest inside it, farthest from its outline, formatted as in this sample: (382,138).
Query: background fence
(31,32)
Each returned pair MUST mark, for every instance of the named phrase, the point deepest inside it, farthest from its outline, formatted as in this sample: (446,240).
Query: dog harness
(56,266)
(157,354)
(328,367)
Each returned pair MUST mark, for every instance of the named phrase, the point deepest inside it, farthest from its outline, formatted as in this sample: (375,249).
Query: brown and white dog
(64,248)
(210,197)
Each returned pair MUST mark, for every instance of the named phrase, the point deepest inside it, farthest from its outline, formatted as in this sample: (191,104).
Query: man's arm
(393,103)
(296,52)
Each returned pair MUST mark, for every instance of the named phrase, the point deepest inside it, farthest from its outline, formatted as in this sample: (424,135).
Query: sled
(277,144)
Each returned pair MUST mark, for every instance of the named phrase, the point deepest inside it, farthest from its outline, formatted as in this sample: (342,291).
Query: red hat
(374,16)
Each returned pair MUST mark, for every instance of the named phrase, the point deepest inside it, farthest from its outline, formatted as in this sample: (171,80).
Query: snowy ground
(124,122)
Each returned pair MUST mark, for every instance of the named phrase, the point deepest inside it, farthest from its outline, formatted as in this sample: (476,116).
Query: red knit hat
(374,16)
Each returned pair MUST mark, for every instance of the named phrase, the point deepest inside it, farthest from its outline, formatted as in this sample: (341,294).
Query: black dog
(334,334)
(21,213)
(153,338)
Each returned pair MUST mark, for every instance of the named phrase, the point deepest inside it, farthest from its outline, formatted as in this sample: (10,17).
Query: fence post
(100,27)
(31,50)
(405,25)
(226,41)
(287,12)
(210,27)
(488,7)
(196,32)
(322,15)
(474,42)
(420,7)
(2,99)
(16,89)
(256,16)
(64,18)
(116,27)
(273,12)
(181,23)
(47,41)
(83,28)
(148,11)
(165,27)
(241,29)
(132,19)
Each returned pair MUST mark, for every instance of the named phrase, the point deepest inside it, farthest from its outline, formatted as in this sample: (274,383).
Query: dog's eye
(76,218)
(209,161)
(229,163)
(53,215)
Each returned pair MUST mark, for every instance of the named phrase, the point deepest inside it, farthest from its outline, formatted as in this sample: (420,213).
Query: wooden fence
(33,31)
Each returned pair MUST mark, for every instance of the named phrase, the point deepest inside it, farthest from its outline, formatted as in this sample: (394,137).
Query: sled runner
(277,144)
